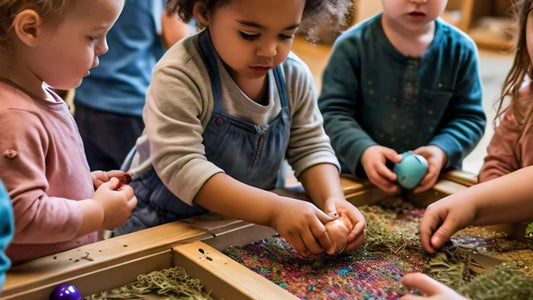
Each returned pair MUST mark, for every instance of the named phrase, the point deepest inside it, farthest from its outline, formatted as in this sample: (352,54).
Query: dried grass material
(173,283)
(385,231)
(503,282)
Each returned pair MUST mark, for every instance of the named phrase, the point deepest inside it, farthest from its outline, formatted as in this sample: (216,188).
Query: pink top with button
(511,146)
(44,169)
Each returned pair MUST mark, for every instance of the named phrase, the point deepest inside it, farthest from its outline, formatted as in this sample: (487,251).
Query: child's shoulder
(13,97)
(362,29)
(293,66)
(453,35)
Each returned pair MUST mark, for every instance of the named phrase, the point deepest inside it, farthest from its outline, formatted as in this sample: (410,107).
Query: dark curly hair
(331,12)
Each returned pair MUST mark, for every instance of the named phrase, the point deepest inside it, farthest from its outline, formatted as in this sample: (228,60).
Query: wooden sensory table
(194,244)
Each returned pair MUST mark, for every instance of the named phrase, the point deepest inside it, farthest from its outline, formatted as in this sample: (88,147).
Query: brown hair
(520,68)
(9,9)
(331,12)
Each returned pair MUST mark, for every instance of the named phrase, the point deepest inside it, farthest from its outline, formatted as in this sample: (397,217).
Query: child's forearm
(505,199)
(321,182)
(93,216)
(231,198)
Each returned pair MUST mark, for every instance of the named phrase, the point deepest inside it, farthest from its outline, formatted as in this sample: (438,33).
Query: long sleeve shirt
(179,104)
(511,146)
(374,95)
(45,172)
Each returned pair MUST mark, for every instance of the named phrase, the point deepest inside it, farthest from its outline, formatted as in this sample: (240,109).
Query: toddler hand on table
(430,288)
(347,232)
(301,223)
(444,218)
(374,161)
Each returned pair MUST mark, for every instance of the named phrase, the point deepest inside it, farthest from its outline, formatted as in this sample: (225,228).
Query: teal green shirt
(374,95)
(6,231)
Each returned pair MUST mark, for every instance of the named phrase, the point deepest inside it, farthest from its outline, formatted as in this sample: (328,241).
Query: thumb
(323,217)
(331,210)
(113,183)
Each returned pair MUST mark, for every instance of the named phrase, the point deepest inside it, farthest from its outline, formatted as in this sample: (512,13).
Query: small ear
(27,26)
(200,13)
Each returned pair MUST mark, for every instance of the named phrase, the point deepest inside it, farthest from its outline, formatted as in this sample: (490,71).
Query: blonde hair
(9,9)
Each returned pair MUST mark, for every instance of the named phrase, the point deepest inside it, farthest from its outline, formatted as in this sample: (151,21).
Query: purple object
(65,291)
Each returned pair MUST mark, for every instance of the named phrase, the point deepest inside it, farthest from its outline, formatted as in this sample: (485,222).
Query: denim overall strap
(245,151)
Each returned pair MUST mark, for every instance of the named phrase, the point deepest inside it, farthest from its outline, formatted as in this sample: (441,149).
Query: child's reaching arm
(505,199)
(298,221)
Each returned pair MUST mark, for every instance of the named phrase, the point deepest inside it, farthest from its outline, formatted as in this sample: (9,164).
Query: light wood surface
(42,274)
(229,279)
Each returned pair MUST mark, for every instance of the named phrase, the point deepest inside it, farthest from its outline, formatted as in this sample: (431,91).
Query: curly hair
(331,12)
(9,9)
(520,68)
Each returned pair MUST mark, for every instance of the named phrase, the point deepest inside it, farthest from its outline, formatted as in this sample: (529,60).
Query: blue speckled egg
(411,170)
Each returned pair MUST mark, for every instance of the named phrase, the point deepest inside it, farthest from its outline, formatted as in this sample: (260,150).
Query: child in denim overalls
(225,107)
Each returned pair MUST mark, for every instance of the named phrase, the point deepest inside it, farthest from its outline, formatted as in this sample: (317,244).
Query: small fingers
(298,244)
(132,203)
(425,284)
(322,237)
(311,243)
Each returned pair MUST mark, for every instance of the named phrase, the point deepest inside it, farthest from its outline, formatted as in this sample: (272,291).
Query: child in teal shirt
(402,80)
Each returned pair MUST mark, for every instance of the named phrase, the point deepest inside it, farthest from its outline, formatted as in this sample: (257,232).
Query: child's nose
(268,49)
(102,48)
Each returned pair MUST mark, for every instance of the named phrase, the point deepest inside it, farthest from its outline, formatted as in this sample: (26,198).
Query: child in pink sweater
(44,44)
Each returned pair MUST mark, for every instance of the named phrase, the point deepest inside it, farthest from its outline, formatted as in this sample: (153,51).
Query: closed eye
(285,37)
(249,37)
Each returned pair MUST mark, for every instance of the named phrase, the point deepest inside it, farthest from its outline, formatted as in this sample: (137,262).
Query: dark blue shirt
(373,94)
(119,83)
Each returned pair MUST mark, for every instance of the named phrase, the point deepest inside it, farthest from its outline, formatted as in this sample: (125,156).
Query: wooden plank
(54,269)
(226,275)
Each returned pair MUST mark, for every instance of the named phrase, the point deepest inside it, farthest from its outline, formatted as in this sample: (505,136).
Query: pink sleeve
(501,158)
(39,217)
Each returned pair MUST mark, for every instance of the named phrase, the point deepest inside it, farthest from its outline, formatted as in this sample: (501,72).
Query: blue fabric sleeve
(7,228)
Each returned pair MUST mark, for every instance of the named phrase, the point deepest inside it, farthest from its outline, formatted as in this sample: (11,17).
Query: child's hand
(301,223)
(428,286)
(374,161)
(338,231)
(443,218)
(117,202)
(99,177)
(436,159)
(353,221)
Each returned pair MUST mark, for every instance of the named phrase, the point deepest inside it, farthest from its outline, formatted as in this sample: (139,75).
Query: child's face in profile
(67,50)
(412,15)
(254,36)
